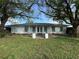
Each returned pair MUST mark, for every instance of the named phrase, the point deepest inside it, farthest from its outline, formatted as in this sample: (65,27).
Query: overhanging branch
(47,13)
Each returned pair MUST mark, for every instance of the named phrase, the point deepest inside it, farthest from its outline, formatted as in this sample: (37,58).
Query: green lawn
(24,47)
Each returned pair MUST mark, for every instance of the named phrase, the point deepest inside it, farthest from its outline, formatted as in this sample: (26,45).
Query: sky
(41,16)
(37,13)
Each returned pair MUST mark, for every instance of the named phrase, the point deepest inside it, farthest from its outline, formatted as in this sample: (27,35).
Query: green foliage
(61,10)
(2,1)
(13,8)
(2,34)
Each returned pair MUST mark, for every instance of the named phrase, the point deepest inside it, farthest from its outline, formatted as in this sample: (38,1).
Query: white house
(22,26)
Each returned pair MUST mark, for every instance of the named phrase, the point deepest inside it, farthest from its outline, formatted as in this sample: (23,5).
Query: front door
(39,29)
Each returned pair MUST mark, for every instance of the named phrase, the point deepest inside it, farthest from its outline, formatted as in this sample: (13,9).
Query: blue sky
(37,13)
(42,17)
(36,8)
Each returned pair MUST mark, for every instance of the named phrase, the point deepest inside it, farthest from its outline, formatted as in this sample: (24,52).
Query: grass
(24,47)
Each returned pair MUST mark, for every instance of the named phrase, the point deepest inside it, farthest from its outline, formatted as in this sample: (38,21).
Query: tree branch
(47,13)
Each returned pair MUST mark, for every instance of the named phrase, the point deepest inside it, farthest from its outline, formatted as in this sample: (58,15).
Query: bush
(2,34)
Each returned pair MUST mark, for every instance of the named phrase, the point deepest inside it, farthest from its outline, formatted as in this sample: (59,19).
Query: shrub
(2,34)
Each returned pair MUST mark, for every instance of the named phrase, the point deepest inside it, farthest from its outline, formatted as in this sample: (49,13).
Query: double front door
(41,29)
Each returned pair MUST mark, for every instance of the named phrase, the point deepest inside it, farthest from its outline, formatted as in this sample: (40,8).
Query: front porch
(45,29)
(29,29)
(36,29)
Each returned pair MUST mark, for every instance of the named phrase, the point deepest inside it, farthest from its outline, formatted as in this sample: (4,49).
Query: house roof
(23,21)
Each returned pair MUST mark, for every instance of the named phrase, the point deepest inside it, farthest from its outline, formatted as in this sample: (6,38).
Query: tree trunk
(3,21)
(74,33)
(3,32)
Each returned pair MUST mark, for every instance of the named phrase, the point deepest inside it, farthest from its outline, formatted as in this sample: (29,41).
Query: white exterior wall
(17,29)
(21,30)
(30,30)
(64,30)
(49,29)
(58,31)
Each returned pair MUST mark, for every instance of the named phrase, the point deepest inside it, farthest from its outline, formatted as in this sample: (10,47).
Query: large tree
(64,10)
(12,8)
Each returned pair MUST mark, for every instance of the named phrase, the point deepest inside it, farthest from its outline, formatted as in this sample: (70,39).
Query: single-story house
(22,26)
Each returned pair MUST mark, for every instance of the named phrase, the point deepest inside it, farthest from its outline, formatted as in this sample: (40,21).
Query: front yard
(24,47)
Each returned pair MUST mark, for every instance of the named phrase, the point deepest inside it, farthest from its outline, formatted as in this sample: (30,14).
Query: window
(53,29)
(33,29)
(45,29)
(26,29)
(61,29)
